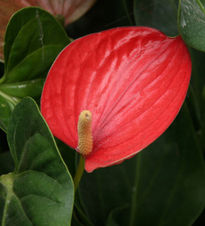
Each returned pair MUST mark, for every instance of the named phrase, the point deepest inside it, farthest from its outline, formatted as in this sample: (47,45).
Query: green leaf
(159,14)
(33,36)
(162,185)
(33,40)
(22,89)
(191,23)
(40,190)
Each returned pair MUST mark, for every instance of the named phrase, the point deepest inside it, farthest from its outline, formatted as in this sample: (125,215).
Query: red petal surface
(133,80)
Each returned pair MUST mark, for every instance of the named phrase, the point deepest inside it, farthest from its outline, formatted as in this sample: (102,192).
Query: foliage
(162,185)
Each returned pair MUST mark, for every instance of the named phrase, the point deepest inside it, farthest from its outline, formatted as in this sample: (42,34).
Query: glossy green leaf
(40,190)
(30,44)
(162,185)
(30,48)
(22,89)
(191,22)
(160,14)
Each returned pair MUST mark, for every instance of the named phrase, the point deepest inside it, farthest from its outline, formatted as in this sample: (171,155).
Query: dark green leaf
(162,185)
(32,41)
(40,191)
(191,23)
(159,14)
(35,65)
(22,89)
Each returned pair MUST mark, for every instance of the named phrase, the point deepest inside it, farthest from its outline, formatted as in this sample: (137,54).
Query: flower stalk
(79,172)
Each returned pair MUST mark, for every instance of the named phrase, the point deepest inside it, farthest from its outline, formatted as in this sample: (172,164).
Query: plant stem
(79,172)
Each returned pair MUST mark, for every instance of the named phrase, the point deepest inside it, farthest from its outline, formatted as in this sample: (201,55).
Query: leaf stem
(7,181)
(11,99)
(79,172)
(2,79)
(201,6)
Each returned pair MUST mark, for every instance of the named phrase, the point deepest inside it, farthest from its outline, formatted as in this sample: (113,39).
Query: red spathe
(133,80)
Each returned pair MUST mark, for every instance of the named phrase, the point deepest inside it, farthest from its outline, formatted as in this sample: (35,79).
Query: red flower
(133,80)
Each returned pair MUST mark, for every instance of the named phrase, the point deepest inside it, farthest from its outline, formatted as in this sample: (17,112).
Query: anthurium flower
(69,10)
(110,94)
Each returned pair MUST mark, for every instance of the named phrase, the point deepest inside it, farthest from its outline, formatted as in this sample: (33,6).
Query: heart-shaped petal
(132,79)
